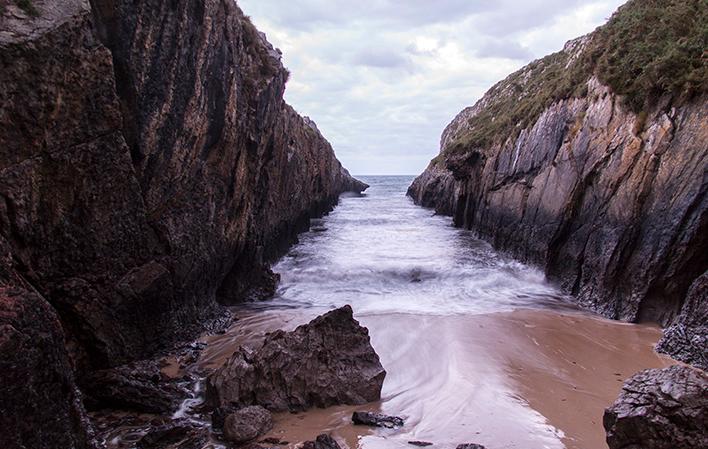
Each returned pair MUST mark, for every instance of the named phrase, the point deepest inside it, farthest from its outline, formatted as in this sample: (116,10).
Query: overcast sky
(382,78)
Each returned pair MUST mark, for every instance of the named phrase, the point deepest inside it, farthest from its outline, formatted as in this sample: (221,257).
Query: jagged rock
(323,441)
(40,407)
(326,362)
(176,435)
(247,424)
(470,446)
(149,169)
(376,420)
(687,338)
(660,409)
(137,386)
(610,202)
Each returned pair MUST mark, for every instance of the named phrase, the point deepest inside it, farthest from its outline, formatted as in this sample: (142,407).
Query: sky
(382,78)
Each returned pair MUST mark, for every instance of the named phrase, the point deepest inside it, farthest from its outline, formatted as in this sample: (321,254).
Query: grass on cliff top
(648,50)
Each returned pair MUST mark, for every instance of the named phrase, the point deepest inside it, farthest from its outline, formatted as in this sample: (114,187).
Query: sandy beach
(523,379)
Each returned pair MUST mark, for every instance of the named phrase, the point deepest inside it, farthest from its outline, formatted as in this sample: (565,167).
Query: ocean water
(379,252)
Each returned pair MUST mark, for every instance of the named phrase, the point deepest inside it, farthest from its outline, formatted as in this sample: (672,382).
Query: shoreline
(526,378)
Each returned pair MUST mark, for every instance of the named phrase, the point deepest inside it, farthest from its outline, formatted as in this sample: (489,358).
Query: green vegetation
(650,49)
(27,7)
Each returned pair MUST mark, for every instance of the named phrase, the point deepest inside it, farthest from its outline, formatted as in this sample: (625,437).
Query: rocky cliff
(149,171)
(591,163)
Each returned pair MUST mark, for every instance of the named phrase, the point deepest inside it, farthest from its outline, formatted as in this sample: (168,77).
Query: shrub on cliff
(649,49)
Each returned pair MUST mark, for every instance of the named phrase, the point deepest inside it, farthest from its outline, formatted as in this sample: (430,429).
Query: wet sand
(524,379)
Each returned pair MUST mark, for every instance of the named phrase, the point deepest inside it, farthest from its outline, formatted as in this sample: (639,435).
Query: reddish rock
(326,362)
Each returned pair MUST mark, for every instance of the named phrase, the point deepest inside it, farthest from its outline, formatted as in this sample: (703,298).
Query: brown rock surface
(149,169)
(247,424)
(660,409)
(326,362)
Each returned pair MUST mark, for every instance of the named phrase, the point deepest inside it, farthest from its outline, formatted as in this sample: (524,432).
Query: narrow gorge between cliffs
(478,347)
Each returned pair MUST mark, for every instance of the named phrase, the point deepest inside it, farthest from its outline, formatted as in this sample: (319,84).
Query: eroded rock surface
(139,386)
(149,171)
(660,409)
(612,203)
(247,424)
(687,338)
(326,362)
(376,420)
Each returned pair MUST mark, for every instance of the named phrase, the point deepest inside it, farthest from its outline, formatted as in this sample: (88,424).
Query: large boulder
(247,424)
(326,362)
(660,409)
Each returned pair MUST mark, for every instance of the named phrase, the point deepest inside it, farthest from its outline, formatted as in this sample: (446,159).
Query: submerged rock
(376,420)
(137,386)
(323,441)
(247,424)
(420,443)
(326,362)
(660,409)
(470,446)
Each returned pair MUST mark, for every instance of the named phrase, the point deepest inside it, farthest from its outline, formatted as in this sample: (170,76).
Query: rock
(660,409)
(219,414)
(611,203)
(137,386)
(323,441)
(470,446)
(687,338)
(40,406)
(130,225)
(247,424)
(376,420)
(150,170)
(326,362)
(420,443)
(179,434)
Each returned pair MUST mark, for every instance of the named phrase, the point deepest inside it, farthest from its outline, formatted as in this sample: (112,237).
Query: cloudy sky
(382,78)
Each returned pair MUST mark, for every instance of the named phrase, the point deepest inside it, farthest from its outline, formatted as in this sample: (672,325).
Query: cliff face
(611,202)
(149,170)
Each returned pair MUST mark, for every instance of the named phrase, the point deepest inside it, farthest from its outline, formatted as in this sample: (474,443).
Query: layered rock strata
(610,200)
(149,171)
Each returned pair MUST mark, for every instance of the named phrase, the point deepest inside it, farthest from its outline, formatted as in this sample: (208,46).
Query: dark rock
(326,362)
(420,443)
(175,435)
(323,441)
(219,414)
(137,386)
(149,170)
(40,407)
(247,424)
(660,409)
(687,338)
(376,420)
(470,446)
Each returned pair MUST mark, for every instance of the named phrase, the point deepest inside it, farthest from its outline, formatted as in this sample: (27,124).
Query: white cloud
(382,78)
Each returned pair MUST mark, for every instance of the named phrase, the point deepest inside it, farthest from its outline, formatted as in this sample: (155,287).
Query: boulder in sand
(326,362)
(376,420)
(660,409)
(323,441)
(247,424)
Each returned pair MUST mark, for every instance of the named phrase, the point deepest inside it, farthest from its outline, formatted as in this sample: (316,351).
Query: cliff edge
(591,163)
(149,171)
